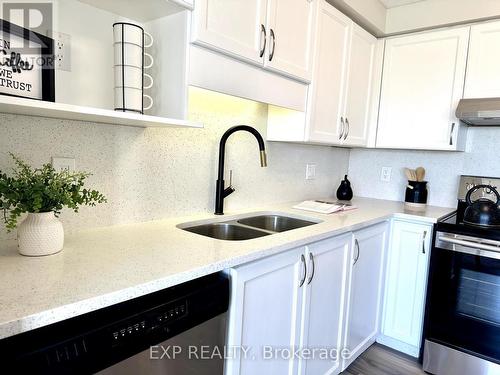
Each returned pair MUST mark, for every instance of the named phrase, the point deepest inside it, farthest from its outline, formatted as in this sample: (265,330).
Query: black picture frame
(46,50)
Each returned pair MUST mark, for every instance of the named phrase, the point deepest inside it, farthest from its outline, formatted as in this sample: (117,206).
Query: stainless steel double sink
(249,227)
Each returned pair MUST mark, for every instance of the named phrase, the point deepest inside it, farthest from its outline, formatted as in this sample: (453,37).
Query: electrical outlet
(61,164)
(385,176)
(62,50)
(310,171)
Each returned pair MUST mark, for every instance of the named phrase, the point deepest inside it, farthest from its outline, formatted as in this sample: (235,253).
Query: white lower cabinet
(365,290)
(265,311)
(313,310)
(324,305)
(288,302)
(406,281)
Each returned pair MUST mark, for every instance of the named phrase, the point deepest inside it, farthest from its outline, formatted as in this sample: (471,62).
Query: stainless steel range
(462,324)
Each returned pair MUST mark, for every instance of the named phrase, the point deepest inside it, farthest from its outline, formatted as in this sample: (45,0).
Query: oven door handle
(474,248)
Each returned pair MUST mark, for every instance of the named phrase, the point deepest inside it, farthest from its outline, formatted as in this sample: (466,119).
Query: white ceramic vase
(40,234)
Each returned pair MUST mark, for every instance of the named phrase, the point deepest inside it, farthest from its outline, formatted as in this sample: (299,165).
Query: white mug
(131,54)
(128,99)
(131,76)
(129,33)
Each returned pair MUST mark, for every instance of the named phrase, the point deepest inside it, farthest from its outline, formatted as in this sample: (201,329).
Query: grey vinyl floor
(379,360)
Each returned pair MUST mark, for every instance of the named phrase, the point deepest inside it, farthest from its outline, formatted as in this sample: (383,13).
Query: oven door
(464,295)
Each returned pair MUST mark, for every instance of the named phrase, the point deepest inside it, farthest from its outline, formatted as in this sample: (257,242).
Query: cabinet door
(406,279)
(290,37)
(328,88)
(265,312)
(365,290)
(233,27)
(359,86)
(483,66)
(423,80)
(324,302)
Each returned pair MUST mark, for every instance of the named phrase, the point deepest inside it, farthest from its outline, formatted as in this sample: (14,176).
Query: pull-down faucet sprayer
(221,192)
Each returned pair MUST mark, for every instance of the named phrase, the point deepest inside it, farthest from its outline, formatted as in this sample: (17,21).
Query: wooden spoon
(420,174)
(408,174)
(411,174)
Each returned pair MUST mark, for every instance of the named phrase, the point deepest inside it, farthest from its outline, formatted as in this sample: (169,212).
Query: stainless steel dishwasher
(177,331)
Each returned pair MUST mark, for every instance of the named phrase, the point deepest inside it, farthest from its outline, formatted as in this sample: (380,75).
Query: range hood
(479,111)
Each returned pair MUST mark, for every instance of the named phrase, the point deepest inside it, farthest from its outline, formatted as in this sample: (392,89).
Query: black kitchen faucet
(221,192)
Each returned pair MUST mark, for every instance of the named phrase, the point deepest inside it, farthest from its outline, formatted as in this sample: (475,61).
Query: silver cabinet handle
(423,241)
(273,37)
(451,133)
(313,269)
(356,243)
(348,126)
(342,126)
(304,267)
(264,33)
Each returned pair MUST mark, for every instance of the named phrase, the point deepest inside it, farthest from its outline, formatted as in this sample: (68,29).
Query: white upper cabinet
(406,279)
(483,67)
(328,88)
(235,27)
(275,34)
(340,95)
(341,89)
(290,26)
(423,80)
(359,87)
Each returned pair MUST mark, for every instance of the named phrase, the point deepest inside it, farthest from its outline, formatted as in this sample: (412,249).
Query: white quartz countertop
(102,267)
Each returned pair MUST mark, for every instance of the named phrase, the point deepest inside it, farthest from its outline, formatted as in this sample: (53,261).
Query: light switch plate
(60,164)
(385,175)
(310,171)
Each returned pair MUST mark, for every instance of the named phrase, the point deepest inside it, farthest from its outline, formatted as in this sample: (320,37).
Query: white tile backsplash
(482,158)
(151,173)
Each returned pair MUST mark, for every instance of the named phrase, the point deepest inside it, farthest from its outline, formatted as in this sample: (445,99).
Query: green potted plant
(42,193)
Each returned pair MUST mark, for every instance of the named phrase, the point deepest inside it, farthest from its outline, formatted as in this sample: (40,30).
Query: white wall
(434,13)
(91,56)
(443,168)
(149,174)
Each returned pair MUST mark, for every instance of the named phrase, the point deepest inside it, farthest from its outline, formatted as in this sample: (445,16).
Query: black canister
(344,192)
(416,192)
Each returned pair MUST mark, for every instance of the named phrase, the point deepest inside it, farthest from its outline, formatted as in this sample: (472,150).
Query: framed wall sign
(26,63)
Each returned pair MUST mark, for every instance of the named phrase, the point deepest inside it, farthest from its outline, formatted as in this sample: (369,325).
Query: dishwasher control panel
(153,320)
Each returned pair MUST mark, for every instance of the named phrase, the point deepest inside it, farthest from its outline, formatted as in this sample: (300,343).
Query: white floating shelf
(29,107)
(143,11)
